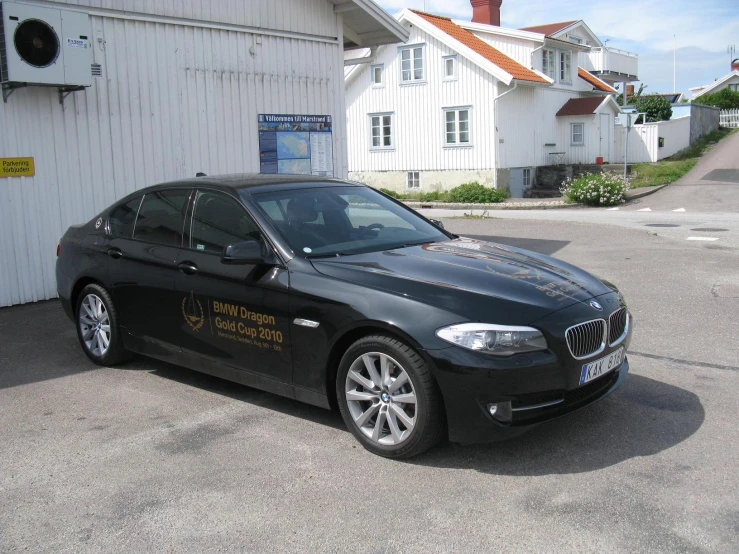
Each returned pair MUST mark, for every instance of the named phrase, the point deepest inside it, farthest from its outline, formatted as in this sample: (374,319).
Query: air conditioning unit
(44,46)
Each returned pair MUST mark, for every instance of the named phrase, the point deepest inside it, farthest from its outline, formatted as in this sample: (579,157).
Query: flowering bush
(596,189)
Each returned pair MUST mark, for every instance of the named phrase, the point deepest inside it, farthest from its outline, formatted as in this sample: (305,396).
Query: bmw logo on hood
(595,305)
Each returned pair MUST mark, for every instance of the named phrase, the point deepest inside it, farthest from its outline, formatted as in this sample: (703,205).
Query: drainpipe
(495,127)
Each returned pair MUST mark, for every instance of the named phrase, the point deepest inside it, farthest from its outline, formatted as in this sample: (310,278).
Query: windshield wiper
(333,255)
(409,244)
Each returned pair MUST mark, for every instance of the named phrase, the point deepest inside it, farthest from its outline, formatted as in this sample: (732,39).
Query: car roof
(255,182)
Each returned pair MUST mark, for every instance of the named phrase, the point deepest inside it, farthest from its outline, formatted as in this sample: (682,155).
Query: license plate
(595,369)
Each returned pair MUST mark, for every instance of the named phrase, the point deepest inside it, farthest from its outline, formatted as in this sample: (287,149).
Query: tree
(726,99)
(632,97)
(657,108)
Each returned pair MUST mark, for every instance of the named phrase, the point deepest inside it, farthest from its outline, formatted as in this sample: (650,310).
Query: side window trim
(135,219)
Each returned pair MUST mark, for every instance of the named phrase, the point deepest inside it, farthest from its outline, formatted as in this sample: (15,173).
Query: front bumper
(529,388)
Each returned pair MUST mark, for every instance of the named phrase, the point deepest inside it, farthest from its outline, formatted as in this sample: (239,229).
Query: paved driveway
(150,457)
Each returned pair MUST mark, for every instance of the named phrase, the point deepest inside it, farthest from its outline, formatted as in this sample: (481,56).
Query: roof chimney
(734,64)
(486,11)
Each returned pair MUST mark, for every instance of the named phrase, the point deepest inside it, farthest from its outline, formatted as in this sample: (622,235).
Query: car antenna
(200,174)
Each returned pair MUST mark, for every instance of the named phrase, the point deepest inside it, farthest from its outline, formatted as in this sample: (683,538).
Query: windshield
(338,221)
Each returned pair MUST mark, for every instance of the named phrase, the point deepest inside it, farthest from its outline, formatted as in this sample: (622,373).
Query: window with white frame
(450,68)
(549,64)
(735,88)
(577,134)
(565,67)
(527,177)
(376,74)
(575,39)
(381,131)
(413,179)
(457,132)
(411,64)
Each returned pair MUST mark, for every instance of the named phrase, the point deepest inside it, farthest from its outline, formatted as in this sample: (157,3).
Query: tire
(390,415)
(97,320)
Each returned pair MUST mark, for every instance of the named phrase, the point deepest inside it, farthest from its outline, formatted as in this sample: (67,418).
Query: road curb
(500,206)
(644,193)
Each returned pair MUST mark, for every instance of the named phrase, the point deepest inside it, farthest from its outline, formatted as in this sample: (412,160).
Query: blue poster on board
(296,145)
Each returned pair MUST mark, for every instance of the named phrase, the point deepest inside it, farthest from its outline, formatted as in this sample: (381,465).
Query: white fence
(644,140)
(729,118)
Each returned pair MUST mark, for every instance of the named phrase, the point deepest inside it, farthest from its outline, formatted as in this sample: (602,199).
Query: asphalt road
(702,207)
(150,457)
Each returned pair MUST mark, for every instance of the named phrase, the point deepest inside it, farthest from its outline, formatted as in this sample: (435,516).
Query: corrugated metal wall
(419,119)
(174,100)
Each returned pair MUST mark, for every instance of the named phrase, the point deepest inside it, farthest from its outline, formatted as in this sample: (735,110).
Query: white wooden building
(464,101)
(166,89)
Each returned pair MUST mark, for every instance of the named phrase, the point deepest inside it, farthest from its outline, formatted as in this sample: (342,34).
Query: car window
(160,217)
(122,219)
(219,221)
(331,221)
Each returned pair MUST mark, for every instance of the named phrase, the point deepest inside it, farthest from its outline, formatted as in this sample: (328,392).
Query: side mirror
(437,223)
(248,252)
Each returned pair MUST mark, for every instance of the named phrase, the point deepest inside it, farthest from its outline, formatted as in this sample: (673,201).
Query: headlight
(500,340)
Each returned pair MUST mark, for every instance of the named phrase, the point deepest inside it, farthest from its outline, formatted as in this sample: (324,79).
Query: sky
(702,30)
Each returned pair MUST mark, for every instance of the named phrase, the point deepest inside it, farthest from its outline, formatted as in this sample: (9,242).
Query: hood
(479,280)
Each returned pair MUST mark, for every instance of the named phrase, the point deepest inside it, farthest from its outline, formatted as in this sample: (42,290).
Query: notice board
(296,145)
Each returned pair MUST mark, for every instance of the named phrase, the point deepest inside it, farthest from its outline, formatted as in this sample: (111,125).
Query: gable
(480,47)
(578,31)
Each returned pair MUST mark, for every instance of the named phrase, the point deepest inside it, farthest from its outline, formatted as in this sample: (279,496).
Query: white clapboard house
(464,101)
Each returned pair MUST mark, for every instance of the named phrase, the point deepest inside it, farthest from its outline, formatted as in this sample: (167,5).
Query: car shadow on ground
(642,418)
(548,247)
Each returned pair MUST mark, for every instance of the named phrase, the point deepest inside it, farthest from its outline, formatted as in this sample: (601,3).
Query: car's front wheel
(388,398)
(97,326)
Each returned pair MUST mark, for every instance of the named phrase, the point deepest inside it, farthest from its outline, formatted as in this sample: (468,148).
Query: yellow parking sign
(17,167)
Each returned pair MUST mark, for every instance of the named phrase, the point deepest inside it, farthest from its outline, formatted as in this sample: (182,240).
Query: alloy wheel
(94,323)
(381,398)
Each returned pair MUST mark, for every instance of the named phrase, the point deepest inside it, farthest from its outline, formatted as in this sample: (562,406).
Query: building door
(516,186)
(606,120)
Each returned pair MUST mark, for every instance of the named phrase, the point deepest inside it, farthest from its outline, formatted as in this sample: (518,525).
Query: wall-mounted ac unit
(44,46)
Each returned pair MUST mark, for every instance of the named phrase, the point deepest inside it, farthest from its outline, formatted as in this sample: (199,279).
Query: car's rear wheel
(97,326)
(388,398)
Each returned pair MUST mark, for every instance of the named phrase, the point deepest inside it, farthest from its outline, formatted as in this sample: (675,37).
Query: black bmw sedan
(332,293)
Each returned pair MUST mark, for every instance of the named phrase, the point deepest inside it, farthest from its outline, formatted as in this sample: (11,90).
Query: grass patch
(671,169)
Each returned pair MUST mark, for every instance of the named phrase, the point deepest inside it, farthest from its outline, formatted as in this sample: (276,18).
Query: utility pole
(674,66)
(731,50)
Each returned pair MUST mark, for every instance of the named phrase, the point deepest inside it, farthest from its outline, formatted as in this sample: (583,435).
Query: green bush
(657,108)
(475,193)
(596,189)
(468,193)
(391,193)
(725,99)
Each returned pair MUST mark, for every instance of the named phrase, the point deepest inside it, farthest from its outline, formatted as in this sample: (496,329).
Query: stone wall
(703,120)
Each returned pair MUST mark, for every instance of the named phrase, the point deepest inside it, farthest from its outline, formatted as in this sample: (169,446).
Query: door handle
(188,268)
(115,253)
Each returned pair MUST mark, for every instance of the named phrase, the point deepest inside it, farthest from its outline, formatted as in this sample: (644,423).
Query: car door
(236,315)
(145,237)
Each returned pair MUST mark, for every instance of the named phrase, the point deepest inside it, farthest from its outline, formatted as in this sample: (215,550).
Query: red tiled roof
(511,66)
(581,106)
(548,29)
(593,80)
